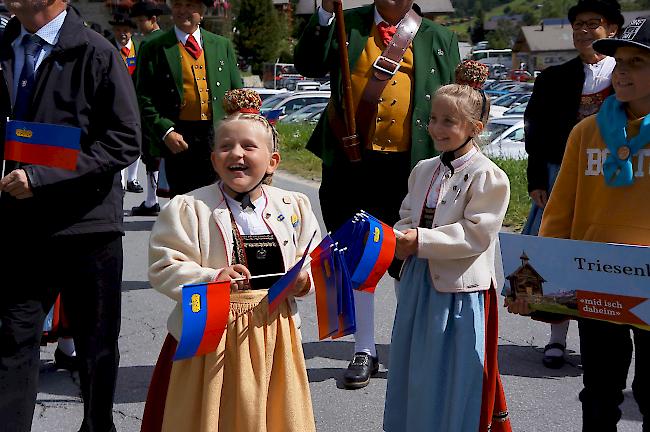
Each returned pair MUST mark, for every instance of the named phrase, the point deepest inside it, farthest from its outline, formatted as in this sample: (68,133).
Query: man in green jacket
(145,14)
(184,74)
(394,134)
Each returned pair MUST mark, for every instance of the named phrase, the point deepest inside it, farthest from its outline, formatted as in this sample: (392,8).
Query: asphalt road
(539,399)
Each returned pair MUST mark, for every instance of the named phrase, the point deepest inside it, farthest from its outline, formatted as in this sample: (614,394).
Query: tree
(504,36)
(477,32)
(258,32)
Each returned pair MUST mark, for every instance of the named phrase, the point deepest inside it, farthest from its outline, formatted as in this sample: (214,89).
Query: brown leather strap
(384,68)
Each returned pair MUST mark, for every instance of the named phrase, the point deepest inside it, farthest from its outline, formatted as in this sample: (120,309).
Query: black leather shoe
(143,210)
(134,186)
(359,371)
(64,361)
(553,362)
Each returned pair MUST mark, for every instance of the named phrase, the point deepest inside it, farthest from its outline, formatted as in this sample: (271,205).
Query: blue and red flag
(347,318)
(273,115)
(42,144)
(205,309)
(284,286)
(378,252)
(322,270)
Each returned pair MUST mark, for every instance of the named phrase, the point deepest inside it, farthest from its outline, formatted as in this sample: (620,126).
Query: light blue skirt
(435,376)
(534,220)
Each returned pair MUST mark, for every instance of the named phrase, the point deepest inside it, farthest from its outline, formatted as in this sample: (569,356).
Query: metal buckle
(389,61)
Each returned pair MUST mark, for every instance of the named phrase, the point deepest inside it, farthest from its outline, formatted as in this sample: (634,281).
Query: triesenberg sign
(591,280)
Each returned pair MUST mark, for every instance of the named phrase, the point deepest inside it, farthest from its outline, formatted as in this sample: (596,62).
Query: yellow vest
(196,98)
(391,129)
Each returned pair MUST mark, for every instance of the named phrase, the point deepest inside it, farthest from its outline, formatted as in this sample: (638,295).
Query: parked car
(304,113)
(506,87)
(520,75)
(307,85)
(505,138)
(517,111)
(291,102)
(503,103)
(325,86)
(266,93)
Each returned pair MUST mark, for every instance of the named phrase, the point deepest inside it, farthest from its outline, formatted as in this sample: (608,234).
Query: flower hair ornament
(472,74)
(247,103)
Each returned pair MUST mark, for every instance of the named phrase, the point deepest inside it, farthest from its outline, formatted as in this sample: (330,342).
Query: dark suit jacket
(82,83)
(159,82)
(435,53)
(551,113)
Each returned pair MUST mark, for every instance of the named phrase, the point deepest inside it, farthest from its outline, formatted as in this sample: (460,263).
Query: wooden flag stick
(351,144)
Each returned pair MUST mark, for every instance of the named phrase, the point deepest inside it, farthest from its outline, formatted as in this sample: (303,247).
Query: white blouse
(434,190)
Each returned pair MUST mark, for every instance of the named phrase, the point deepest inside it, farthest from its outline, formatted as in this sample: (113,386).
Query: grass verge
(297,160)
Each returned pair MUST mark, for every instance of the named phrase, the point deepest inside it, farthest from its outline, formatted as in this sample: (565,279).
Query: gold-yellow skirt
(256,380)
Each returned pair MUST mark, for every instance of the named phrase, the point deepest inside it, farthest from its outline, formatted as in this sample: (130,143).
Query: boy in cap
(123,31)
(601,195)
(145,14)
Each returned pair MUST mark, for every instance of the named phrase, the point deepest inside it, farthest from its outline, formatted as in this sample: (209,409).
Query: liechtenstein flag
(281,289)
(205,309)
(377,255)
(42,144)
(322,271)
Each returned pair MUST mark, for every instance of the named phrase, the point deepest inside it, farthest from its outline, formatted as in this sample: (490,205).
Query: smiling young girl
(256,380)
(443,373)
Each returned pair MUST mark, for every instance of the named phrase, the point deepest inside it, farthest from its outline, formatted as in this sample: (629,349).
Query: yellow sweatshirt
(583,207)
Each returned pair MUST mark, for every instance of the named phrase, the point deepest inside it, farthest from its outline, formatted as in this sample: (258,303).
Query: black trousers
(377,184)
(606,351)
(192,168)
(87,271)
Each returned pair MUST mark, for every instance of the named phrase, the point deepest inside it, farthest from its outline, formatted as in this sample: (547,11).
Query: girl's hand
(303,284)
(407,244)
(235,272)
(518,306)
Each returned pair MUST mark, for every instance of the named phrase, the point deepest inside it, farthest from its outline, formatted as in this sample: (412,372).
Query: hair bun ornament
(243,101)
(472,73)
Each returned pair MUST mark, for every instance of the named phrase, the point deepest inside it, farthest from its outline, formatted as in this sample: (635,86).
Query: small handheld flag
(377,255)
(42,144)
(322,270)
(285,285)
(205,315)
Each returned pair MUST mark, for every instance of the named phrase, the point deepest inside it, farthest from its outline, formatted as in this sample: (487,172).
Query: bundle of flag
(284,286)
(42,144)
(205,315)
(364,244)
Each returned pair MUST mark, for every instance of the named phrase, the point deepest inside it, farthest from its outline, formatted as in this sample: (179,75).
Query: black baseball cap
(637,34)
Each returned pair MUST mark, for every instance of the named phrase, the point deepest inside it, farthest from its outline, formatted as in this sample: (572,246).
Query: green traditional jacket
(435,57)
(159,82)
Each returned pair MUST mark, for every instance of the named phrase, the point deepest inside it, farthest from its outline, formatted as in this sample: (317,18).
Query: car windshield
(518,110)
(274,100)
(492,131)
(505,100)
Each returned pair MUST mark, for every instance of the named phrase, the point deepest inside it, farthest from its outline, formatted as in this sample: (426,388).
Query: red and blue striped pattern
(205,315)
(322,270)
(42,144)
(284,286)
(377,256)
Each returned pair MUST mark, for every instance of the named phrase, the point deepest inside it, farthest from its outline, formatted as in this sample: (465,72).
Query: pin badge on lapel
(280,217)
(294,220)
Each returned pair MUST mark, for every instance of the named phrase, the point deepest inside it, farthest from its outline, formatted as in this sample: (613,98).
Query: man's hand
(175,142)
(328,5)
(235,272)
(303,284)
(406,245)
(539,197)
(16,184)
